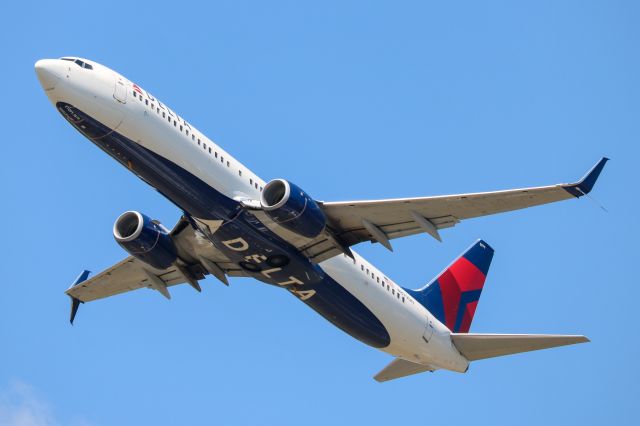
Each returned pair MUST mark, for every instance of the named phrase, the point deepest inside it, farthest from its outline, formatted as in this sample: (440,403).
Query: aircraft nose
(47,74)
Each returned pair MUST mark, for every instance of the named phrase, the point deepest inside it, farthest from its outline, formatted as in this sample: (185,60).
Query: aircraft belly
(240,235)
(348,313)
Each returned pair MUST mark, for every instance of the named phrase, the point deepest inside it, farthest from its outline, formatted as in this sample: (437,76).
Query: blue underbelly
(198,199)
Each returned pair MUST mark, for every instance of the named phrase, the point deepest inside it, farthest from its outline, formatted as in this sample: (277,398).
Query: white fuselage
(416,335)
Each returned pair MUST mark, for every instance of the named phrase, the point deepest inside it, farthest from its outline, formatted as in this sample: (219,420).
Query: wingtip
(586,184)
(81,278)
(577,339)
(75,304)
(588,181)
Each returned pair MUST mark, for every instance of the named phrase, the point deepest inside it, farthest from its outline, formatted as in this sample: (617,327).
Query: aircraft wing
(126,275)
(352,222)
(197,257)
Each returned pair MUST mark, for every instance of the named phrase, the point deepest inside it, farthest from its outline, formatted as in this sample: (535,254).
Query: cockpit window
(80,63)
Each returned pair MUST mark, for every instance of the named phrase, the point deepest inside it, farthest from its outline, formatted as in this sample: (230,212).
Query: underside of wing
(129,274)
(197,257)
(353,222)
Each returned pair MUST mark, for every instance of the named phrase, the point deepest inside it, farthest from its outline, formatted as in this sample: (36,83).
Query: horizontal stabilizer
(401,368)
(474,346)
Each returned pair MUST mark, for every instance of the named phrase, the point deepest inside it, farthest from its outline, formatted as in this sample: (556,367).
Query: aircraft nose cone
(46,71)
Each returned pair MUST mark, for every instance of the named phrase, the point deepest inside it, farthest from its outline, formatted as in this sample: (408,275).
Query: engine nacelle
(145,239)
(292,208)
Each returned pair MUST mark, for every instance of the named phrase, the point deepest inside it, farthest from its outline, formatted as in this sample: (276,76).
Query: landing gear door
(428,331)
(120,90)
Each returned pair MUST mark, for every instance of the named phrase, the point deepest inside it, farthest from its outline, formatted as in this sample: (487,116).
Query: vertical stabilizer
(452,297)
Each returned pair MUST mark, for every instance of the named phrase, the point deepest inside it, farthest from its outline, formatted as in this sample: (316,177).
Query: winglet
(75,303)
(585,185)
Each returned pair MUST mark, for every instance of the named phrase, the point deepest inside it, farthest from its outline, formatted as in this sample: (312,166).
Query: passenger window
(393,291)
(134,94)
(221,159)
(378,279)
(175,123)
(204,145)
(209,150)
(146,102)
(193,137)
(227,164)
(362,267)
(216,154)
(261,191)
(367,271)
(198,142)
(152,106)
(180,127)
(250,181)
(187,133)
(402,299)
(163,114)
(239,172)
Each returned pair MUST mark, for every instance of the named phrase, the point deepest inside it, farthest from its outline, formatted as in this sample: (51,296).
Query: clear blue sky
(350,100)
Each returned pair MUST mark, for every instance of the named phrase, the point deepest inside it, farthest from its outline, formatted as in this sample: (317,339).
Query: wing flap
(475,346)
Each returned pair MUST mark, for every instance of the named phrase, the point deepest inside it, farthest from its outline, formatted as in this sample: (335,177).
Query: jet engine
(145,239)
(292,208)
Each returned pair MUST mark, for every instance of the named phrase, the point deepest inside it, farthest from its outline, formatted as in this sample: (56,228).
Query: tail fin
(453,295)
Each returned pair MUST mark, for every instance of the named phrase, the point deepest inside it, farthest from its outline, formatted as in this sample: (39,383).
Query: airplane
(234,224)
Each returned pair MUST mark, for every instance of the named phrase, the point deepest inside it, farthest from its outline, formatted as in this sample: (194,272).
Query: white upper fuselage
(125,108)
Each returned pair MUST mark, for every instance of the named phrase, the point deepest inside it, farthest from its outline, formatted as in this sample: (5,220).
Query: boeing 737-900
(235,224)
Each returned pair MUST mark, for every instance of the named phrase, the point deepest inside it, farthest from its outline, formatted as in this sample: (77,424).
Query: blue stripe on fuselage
(200,200)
